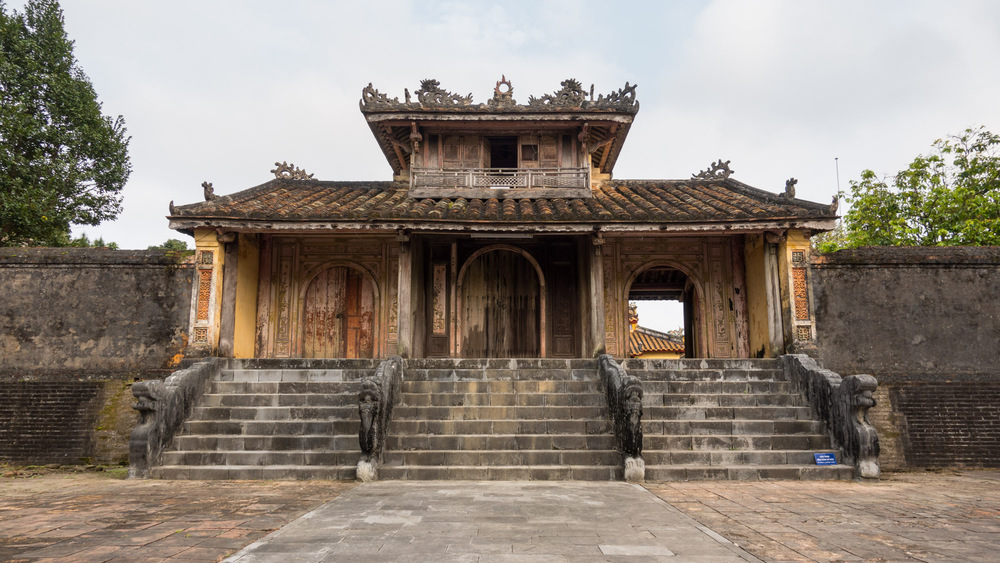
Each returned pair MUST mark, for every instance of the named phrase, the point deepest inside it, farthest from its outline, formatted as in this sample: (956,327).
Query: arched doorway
(667,284)
(501,301)
(339,313)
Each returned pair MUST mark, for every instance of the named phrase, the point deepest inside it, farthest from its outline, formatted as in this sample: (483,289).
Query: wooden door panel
(500,302)
(339,315)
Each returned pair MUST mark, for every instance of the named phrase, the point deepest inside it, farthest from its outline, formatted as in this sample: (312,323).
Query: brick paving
(93,518)
(939,516)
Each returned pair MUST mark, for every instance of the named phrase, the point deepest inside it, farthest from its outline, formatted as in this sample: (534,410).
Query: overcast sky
(220,90)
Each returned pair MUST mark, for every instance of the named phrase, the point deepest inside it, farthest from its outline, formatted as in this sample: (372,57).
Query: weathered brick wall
(47,422)
(77,326)
(926,323)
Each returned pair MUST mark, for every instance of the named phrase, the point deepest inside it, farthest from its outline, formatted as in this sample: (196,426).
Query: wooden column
(263,325)
(772,281)
(404,288)
(597,320)
(737,244)
(227,326)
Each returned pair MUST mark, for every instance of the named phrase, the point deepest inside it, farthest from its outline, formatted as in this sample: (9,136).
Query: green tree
(62,162)
(176,245)
(84,242)
(950,197)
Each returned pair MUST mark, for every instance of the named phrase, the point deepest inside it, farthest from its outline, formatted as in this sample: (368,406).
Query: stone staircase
(728,419)
(500,419)
(508,419)
(273,419)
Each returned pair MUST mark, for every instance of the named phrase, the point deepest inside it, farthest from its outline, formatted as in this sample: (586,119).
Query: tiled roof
(644,340)
(620,201)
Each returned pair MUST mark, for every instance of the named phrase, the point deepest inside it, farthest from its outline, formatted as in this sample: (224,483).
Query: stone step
(731,457)
(471,442)
(503,473)
(700,364)
(683,413)
(247,472)
(488,374)
(305,442)
(501,386)
(304,363)
(811,442)
(735,427)
(749,472)
(718,387)
(294,375)
(500,363)
(400,427)
(280,400)
(274,413)
(272,427)
(708,375)
(511,413)
(723,399)
(261,457)
(523,399)
(286,387)
(502,457)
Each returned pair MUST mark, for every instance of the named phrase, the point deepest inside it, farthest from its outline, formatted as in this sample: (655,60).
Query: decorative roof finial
(790,188)
(285,171)
(718,171)
(431,94)
(209,191)
(503,94)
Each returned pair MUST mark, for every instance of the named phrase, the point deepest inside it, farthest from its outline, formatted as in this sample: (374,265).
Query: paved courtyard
(941,516)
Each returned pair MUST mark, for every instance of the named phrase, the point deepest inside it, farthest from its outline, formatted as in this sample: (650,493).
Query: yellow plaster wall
(248,266)
(793,240)
(756,288)
(207,239)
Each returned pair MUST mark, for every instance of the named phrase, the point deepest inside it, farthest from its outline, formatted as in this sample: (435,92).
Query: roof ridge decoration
(208,191)
(503,94)
(718,171)
(570,96)
(285,171)
(431,94)
(790,188)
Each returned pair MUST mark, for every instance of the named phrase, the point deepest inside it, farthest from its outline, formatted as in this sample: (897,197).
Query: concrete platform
(493,521)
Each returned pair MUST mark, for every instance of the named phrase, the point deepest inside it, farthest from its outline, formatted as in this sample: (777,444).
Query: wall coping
(910,256)
(69,256)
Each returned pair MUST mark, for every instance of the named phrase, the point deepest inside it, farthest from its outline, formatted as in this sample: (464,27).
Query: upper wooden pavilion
(502,234)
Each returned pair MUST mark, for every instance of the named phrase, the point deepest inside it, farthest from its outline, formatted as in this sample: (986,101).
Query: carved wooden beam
(612,135)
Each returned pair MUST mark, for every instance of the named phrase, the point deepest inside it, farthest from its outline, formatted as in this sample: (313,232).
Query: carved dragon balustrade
(624,395)
(163,406)
(842,404)
(379,394)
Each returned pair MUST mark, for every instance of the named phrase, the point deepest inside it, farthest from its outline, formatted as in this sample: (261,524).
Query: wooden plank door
(500,307)
(339,315)
(360,311)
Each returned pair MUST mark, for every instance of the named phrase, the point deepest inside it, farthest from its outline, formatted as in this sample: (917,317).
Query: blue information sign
(825,459)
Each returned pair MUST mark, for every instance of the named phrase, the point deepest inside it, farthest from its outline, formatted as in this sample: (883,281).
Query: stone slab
(478,521)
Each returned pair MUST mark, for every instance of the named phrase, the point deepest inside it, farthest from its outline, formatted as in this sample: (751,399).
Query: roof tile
(625,201)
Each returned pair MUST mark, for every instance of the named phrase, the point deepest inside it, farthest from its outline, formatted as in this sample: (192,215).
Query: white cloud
(219,90)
